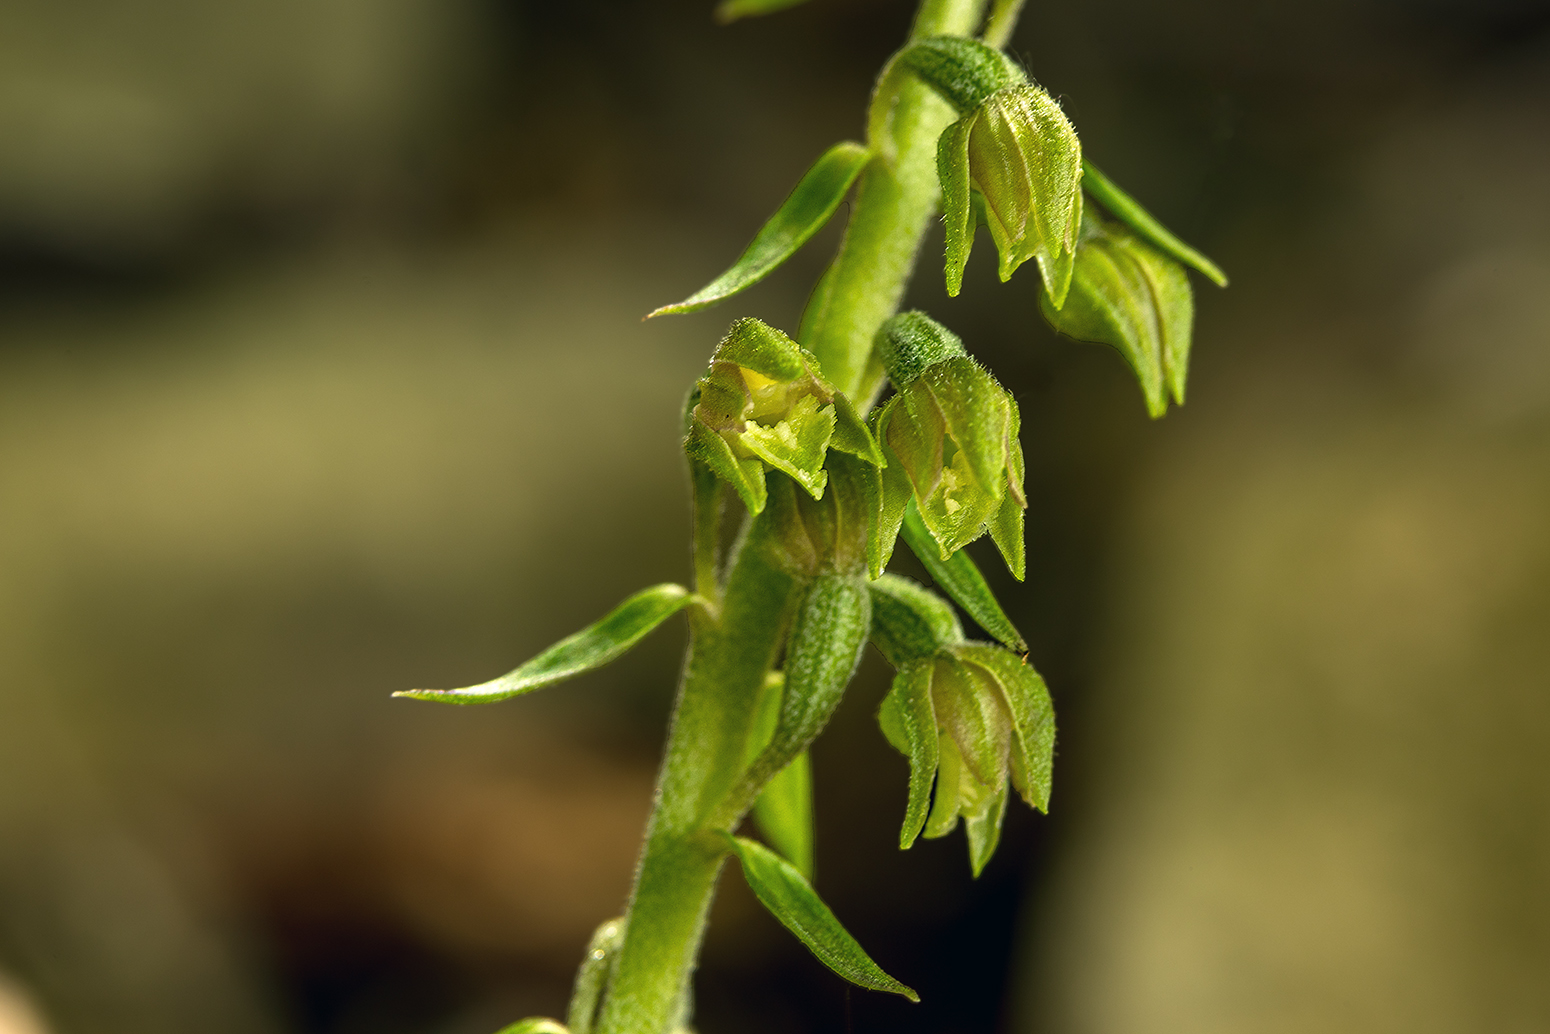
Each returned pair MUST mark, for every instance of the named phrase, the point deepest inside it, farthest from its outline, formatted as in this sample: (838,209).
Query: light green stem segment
(729,655)
(866,282)
(730,652)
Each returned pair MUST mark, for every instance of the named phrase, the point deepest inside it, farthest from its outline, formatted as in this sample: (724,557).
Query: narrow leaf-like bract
(592,647)
(961,579)
(803,214)
(1129,211)
(791,899)
(731,10)
(1129,295)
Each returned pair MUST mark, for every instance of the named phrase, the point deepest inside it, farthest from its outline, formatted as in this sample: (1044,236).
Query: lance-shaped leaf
(909,621)
(1129,211)
(592,647)
(731,10)
(791,899)
(804,213)
(1033,718)
(827,635)
(1127,294)
(961,579)
(908,720)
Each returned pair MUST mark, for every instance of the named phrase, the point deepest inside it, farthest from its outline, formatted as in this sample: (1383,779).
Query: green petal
(803,214)
(851,434)
(970,707)
(592,647)
(909,722)
(1129,211)
(961,579)
(984,830)
(791,899)
(949,780)
(1033,718)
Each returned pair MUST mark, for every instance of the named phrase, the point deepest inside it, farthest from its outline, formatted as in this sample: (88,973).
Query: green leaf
(592,647)
(908,719)
(1033,718)
(784,812)
(746,476)
(909,621)
(1129,211)
(791,899)
(1129,295)
(803,214)
(535,1025)
(797,444)
(731,10)
(961,579)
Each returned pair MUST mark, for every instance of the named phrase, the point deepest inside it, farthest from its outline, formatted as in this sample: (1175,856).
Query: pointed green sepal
(1033,718)
(1129,211)
(803,214)
(984,830)
(755,345)
(1129,295)
(592,647)
(791,899)
(851,434)
(908,721)
(961,579)
(909,621)
(745,476)
(958,216)
(883,533)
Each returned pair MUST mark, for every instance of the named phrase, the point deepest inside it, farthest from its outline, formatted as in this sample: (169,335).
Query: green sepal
(745,476)
(755,345)
(535,1025)
(984,830)
(1129,295)
(909,621)
(969,706)
(1006,527)
(976,411)
(784,813)
(1129,211)
(797,444)
(791,899)
(732,10)
(1024,157)
(592,647)
(958,215)
(592,978)
(803,214)
(963,71)
(851,434)
(961,579)
(908,720)
(894,495)
(1033,718)
(911,342)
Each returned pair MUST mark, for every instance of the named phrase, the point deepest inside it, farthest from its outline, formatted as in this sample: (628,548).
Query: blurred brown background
(322,375)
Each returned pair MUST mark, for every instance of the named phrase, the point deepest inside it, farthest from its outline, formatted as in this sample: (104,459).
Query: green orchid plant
(867,426)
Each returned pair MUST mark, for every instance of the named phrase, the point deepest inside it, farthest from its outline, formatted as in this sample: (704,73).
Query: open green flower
(764,403)
(953,430)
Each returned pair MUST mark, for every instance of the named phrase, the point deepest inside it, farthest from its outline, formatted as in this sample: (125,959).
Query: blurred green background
(322,375)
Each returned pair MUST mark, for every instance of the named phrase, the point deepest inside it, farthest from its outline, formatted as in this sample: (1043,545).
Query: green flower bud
(977,717)
(764,404)
(1019,154)
(1128,294)
(953,429)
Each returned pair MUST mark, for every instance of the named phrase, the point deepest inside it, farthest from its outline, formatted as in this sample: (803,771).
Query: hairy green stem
(733,646)
(894,202)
